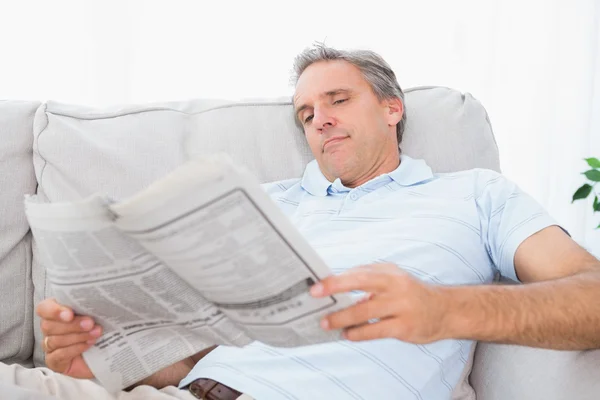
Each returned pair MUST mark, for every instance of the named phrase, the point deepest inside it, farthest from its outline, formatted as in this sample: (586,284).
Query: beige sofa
(66,152)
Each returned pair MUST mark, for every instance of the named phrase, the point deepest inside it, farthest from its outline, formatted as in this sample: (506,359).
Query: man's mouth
(333,140)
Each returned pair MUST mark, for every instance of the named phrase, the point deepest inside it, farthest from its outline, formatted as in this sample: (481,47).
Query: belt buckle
(200,388)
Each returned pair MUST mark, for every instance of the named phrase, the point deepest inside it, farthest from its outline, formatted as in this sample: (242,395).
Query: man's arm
(169,376)
(173,374)
(558,307)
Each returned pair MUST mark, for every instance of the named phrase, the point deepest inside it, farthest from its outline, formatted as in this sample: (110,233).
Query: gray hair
(376,71)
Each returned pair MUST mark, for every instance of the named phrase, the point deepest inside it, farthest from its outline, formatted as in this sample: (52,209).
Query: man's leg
(36,382)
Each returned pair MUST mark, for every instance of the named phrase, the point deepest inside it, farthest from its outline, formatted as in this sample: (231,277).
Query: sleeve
(507,216)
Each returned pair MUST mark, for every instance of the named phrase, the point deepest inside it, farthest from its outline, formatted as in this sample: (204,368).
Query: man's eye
(339,101)
(308,119)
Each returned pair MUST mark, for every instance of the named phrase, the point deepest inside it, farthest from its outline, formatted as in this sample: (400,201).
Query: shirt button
(353,196)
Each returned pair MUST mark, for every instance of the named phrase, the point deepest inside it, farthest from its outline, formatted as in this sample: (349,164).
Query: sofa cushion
(503,372)
(447,128)
(16,179)
(79,150)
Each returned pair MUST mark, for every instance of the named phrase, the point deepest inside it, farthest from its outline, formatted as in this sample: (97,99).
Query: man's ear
(395,110)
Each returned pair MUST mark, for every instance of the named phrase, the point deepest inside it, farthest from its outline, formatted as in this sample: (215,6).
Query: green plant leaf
(593,162)
(593,175)
(596,204)
(582,192)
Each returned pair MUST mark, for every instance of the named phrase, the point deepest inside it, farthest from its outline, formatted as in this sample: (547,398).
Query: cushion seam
(25,295)
(153,109)
(246,104)
(37,141)
(222,106)
(24,323)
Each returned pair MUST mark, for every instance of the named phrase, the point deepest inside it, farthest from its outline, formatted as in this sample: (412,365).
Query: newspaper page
(151,317)
(212,223)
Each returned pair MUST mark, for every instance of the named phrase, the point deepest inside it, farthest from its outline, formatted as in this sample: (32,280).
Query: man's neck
(388,165)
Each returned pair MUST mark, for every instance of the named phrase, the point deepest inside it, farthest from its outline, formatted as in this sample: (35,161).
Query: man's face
(350,132)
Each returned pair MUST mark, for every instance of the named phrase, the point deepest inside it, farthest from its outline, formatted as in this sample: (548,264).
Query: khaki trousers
(20,383)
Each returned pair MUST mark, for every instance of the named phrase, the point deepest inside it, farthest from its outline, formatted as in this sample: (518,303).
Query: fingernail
(87,324)
(325,324)
(65,315)
(95,331)
(316,290)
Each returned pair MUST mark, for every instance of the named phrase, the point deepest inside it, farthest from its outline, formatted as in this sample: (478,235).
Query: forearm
(173,374)
(562,314)
(169,376)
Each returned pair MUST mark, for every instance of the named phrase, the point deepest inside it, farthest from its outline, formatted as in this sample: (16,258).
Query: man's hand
(407,309)
(66,337)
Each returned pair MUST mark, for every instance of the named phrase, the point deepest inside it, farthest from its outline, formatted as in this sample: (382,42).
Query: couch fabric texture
(117,151)
(16,179)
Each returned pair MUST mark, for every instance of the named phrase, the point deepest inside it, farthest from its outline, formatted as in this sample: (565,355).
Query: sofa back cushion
(447,128)
(79,150)
(16,179)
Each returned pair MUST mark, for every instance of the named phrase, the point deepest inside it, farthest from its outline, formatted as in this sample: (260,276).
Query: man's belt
(207,389)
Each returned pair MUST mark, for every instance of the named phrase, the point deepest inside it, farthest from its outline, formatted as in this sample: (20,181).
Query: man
(426,245)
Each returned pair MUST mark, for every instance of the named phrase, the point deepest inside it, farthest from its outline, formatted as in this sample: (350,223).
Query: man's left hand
(405,307)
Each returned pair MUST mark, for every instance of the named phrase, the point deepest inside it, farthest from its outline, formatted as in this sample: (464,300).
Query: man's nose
(323,119)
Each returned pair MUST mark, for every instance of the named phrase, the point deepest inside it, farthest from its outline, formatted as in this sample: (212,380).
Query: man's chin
(337,170)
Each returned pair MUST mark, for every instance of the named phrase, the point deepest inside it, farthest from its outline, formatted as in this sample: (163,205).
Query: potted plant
(593,176)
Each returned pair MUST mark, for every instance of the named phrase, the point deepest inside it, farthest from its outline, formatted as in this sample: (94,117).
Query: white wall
(534,64)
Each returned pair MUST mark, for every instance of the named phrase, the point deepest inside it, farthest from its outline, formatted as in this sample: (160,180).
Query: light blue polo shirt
(450,229)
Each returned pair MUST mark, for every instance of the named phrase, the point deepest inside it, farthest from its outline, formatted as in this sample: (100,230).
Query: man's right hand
(66,337)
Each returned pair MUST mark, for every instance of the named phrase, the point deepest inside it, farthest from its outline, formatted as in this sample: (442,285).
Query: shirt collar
(409,172)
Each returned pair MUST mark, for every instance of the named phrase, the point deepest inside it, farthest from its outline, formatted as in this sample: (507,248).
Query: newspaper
(199,258)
